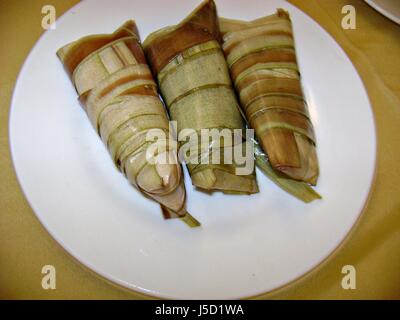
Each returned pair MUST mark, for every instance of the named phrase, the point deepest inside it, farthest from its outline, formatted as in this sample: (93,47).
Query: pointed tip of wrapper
(186,217)
(191,221)
(298,189)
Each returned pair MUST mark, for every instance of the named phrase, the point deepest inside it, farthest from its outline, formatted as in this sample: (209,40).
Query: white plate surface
(247,244)
(389,8)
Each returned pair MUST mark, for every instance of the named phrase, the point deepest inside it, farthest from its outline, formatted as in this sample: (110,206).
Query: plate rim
(383,12)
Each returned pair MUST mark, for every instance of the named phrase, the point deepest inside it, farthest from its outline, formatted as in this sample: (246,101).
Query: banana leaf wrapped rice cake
(195,84)
(262,61)
(117,90)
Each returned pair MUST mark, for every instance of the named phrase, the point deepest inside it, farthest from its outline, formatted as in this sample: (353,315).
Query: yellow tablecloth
(373,246)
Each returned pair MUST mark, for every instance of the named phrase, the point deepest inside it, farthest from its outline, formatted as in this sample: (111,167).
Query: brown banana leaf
(262,60)
(117,90)
(194,80)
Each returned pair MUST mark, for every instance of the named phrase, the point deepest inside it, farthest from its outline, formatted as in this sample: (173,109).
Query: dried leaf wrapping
(195,83)
(262,61)
(117,90)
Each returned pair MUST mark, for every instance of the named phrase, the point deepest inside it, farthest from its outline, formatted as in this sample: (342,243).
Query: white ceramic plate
(389,8)
(247,244)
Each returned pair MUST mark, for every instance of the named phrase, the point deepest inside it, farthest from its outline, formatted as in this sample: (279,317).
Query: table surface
(373,246)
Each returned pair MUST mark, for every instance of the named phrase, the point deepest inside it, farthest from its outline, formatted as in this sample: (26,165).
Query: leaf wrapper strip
(188,219)
(251,90)
(298,189)
(266,71)
(273,55)
(199,27)
(207,109)
(73,53)
(119,94)
(263,66)
(264,104)
(202,65)
(114,88)
(195,83)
